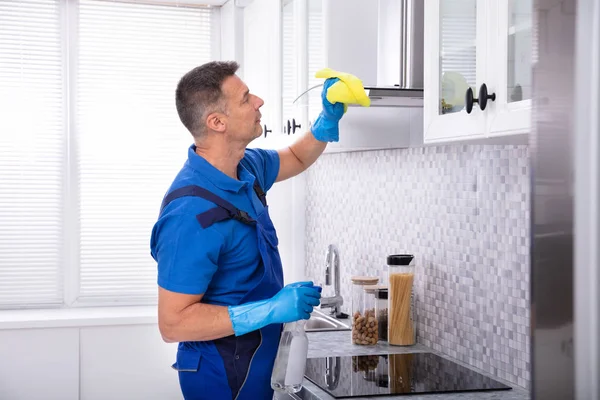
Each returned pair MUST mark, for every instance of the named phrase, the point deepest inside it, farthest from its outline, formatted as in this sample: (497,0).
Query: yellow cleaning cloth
(348,90)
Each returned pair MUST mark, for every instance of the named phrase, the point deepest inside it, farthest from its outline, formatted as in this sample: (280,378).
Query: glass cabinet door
(512,66)
(290,26)
(458,53)
(296,35)
(519,54)
(302,57)
(456,32)
(262,63)
(316,58)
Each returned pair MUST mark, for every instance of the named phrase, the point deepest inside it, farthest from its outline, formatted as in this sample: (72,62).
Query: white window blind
(130,142)
(32,153)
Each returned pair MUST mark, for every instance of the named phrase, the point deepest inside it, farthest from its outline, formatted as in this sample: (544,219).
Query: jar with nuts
(364,319)
(366,363)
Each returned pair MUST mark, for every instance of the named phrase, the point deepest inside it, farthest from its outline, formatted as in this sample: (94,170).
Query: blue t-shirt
(222,261)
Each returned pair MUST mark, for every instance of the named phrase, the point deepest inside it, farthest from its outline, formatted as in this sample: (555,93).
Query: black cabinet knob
(291,127)
(482,100)
(484,96)
(469,100)
(267,130)
(294,125)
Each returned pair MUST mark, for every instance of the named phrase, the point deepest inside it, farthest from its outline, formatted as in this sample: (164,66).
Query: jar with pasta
(364,321)
(401,324)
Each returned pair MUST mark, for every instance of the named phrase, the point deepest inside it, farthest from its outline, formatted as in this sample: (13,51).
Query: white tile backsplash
(463,211)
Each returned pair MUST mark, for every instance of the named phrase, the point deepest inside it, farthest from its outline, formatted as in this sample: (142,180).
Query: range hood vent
(394,96)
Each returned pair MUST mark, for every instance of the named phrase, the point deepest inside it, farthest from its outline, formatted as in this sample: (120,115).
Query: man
(221,293)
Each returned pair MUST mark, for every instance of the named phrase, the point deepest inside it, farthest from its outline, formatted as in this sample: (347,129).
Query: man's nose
(259,102)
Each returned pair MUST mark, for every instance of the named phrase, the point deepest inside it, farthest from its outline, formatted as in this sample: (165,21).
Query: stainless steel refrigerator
(565,218)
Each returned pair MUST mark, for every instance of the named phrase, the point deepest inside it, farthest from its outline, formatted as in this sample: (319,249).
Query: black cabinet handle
(469,100)
(291,127)
(484,96)
(294,125)
(267,130)
(482,100)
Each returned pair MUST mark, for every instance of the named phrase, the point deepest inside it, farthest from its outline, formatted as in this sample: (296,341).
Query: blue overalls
(234,367)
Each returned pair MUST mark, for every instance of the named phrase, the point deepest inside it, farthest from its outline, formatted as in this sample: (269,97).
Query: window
(89,142)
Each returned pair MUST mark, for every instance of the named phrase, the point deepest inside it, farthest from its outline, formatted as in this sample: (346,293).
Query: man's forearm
(197,322)
(307,149)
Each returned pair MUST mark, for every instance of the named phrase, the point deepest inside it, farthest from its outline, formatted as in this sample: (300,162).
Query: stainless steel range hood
(386,51)
(394,96)
(399,54)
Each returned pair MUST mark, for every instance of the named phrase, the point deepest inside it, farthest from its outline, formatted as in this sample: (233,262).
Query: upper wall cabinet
(262,61)
(282,51)
(478,68)
(287,41)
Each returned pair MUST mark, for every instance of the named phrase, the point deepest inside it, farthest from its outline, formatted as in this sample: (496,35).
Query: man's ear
(216,121)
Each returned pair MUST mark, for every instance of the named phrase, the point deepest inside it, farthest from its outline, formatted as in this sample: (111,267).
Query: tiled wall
(463,211)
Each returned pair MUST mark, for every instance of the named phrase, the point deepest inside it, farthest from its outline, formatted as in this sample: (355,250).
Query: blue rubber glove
(292,303)
(325,128)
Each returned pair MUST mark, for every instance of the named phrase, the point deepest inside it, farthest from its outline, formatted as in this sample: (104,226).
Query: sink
(321,322)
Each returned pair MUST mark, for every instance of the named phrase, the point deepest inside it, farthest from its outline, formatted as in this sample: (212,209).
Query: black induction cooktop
(394,374)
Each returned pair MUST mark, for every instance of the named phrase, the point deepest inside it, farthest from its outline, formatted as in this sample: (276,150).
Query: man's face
(243,115)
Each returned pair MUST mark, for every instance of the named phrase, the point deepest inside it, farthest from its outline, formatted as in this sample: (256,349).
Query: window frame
(53,313)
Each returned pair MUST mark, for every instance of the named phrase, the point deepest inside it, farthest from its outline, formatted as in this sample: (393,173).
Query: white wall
(232,34)
(93,362)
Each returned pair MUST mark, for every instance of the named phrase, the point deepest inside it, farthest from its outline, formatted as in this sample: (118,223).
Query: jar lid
(399,259)
(382,293)
(377,287)
(365,280)
(371,288)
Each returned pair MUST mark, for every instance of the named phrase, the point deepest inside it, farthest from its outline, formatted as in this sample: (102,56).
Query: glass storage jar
(364,323)
(371,308)
(401,274)
(381,312)
(383,371)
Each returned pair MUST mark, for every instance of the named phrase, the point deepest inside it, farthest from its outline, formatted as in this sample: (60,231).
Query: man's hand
(294,302)
(325,128)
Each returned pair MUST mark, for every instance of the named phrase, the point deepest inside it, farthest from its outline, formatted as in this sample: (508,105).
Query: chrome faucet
(333,263)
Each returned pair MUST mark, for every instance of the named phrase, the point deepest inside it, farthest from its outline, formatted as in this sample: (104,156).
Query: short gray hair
(199,93)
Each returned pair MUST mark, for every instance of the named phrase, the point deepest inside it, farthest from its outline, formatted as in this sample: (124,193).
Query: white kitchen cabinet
(469,44)
(276,65)
(287,41)
(126,362)
(85,354)
(39,364)
(511,69)
(261,65)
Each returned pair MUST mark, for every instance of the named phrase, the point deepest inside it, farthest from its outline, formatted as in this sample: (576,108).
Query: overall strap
(224,210)
(259,192)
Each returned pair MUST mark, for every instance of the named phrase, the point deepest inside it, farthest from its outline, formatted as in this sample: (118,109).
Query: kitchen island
(337,343)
